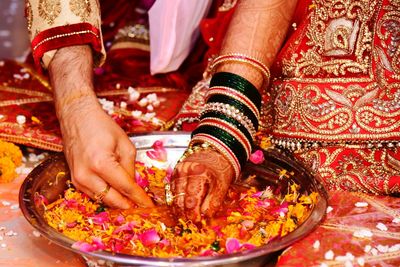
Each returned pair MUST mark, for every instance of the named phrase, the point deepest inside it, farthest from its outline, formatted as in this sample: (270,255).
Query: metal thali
(50,177)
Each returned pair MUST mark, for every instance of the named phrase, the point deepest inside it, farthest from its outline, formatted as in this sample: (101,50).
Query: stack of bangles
(229,120)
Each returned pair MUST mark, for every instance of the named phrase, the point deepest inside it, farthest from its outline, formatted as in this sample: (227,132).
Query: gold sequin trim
(29,15)
(64,35)
(49,10)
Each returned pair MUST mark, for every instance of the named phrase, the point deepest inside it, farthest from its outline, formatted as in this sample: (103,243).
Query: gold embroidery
(31,141)
(367,170)
(337,28)
(136,33)
(24,91)
(49,10)
(28,15)
(43,80)
(227,5)
(356,112)
(388,30)
(81,8)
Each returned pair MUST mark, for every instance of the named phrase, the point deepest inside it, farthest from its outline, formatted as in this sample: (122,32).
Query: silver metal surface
(42,181)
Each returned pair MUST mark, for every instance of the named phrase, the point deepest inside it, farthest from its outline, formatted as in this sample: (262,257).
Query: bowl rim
(33,217)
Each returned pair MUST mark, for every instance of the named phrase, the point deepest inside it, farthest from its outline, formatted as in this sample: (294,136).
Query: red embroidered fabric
(62,36)
(335,98)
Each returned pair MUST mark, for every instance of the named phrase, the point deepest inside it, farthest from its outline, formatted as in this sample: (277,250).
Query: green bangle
(213,114)
(234,145)
(238,83)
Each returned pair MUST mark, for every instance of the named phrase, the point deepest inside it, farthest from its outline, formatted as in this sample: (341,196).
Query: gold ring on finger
(99,196)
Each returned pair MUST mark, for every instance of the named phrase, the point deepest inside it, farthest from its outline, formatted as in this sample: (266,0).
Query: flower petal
(232,245)
(101,218)
(83,246)
(143,182)
(257,157)
(159,153)
(97,243)
(149,237)
(248,246)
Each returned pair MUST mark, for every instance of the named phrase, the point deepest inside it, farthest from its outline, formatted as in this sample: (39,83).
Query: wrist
(76,102)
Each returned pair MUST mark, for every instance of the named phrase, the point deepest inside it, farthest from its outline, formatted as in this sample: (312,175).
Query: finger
(215,197)
(113,173)
(196,189)
(112,198)
(127,155)
(179,183)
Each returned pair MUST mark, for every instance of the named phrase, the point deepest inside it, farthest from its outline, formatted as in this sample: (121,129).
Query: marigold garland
(10,158)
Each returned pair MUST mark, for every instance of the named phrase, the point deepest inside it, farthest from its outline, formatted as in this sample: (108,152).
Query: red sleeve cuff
(63,36)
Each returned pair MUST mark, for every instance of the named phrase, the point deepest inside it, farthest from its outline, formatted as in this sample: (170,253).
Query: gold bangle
(241,58)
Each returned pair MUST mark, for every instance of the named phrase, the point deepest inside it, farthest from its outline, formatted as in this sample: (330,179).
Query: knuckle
(98,162)
(78,177)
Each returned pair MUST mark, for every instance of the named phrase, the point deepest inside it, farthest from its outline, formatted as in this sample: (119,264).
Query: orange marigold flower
(7,170)
(11,151)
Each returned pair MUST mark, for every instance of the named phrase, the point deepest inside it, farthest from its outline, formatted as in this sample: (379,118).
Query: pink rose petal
(283,208)
(257,157)
(158,153)
(248,224)
(208,252)
(164,243)
(70,203)
(71,224)
(248,246)
(97,243)
(83,246)
(126,227)
(101,218)
(149,237)
(168,177)
(143,182)
(120,219)
(232,245)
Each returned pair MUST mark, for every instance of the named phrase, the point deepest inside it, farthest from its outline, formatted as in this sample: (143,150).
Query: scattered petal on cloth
(354,235)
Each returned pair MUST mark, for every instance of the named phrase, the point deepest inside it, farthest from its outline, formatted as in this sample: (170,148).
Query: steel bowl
(50,177)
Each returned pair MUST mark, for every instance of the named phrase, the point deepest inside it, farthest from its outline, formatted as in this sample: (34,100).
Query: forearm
(71,74)
(257,29)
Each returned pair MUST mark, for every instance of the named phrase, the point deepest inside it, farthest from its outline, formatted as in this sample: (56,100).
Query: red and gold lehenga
(334,103)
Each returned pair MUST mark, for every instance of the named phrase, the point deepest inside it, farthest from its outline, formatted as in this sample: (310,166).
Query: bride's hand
(200,183)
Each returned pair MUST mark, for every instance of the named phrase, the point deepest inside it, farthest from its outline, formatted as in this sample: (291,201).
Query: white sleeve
(174,28)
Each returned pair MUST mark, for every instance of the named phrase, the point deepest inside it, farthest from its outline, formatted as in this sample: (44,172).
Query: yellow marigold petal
(11,151)
(7,170)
